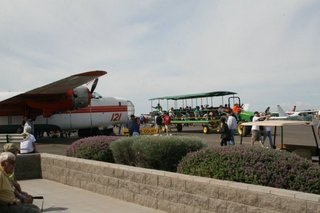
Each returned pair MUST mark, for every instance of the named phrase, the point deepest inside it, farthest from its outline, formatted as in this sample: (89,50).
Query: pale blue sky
(267,50)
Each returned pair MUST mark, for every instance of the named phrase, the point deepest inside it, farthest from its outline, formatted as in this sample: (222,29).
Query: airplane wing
(61,95)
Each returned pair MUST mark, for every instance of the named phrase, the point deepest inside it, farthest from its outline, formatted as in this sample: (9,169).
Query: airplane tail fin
(267,110)
(294,108)
(281,111)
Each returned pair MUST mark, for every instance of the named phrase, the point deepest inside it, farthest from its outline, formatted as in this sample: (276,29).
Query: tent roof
(196,95)
(277,123)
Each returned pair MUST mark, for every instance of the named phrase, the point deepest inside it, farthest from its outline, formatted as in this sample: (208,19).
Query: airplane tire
(88,132)
(108,131)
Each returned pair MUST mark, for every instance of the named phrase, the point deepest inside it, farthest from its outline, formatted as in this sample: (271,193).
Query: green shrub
(163,153)
(94,148)
(254,165)
(122,151)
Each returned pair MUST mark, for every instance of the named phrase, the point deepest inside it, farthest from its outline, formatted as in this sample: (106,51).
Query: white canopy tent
(282,124)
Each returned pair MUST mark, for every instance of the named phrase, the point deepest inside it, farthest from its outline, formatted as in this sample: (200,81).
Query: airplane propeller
(94,85)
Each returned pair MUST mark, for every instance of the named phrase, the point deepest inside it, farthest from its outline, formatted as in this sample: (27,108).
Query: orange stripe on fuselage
(100,109)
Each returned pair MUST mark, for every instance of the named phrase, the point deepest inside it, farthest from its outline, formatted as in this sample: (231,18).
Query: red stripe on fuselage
(100,109)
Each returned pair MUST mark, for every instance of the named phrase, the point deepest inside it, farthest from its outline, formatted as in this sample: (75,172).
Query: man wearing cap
(28,144)
(8,201)
(23,196)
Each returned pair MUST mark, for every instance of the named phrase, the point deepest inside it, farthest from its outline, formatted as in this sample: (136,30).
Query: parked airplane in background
(98,118)
(49,106)
(304,115)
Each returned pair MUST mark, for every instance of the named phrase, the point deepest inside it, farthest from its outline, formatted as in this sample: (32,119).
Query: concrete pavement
(63,198)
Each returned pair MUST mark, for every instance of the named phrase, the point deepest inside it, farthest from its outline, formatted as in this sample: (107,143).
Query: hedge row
(154,152)
(254,165)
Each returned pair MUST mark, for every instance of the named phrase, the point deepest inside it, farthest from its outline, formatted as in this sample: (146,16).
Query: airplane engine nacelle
(81,97)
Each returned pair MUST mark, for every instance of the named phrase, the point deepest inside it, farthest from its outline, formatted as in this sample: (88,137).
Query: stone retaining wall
(174,192)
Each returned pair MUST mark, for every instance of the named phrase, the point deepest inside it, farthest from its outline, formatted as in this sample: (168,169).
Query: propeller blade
(94,85)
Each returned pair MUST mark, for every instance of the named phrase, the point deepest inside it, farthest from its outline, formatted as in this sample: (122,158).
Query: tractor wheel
(243,130)
(205,129)
(179,127)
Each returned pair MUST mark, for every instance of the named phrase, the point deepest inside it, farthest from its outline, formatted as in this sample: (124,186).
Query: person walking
(158,121)
(255,130)
(267,134)
(224,132)
(136,127)
(130,124)
(232,125)
(167,122)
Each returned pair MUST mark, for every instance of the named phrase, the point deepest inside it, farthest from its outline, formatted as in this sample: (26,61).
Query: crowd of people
(229,118)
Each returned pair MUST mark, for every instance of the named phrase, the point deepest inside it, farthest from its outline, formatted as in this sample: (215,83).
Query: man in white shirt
(28,144)
(255,130)
(232,125)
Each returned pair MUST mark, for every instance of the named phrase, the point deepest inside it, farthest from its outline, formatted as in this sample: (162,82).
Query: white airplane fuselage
(102,113)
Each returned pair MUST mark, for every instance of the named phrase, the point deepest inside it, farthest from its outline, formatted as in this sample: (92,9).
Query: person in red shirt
(167,122)
(236,110)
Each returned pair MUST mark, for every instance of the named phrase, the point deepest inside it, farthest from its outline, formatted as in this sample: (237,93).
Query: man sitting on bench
(8,201)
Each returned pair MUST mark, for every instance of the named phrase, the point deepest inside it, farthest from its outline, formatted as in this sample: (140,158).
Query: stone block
(236,207)
(228,193)
(204,189)
(129,186)
(151,179)
(293,205)
(146,201)
(164,182)
(178,184)
(248,197)
(170,195)
(134,176)
(198,201)
(313,207)
(164,205)
(152,191)
(269,201)
(28,166)
(217,205)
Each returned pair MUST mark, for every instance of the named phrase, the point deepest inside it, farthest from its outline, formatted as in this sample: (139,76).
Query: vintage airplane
(98,118)
(62,95)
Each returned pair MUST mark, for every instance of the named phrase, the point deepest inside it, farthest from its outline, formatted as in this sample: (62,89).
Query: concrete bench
(11,138)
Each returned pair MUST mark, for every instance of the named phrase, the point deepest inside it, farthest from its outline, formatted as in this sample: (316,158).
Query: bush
(163,153)
(94,148)
(254,165)
(122,151)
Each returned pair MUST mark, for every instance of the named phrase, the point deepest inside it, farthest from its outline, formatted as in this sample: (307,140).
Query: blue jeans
(265,135)
(232,133)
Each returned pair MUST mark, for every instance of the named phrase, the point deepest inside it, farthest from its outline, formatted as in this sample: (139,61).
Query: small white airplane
(304,115)
(64,105)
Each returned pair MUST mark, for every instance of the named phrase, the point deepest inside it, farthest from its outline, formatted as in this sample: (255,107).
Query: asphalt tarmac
(295,135)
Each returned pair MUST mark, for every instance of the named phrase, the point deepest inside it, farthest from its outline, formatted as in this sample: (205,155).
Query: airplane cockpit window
(96,95)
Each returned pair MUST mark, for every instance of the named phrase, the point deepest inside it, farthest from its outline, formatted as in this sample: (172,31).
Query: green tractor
(244,116)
